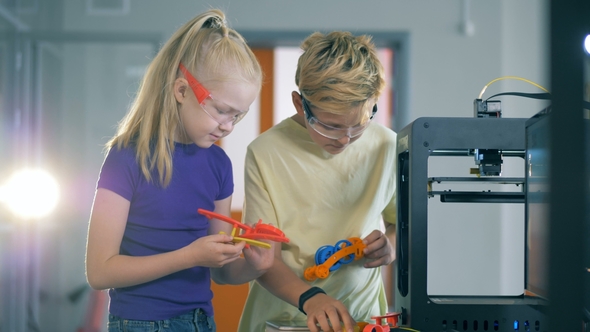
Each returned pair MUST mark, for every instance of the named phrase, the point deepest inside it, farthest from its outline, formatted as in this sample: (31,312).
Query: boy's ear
(296,97)
(180,89)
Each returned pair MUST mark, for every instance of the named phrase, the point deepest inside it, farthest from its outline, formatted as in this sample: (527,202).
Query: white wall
(448,68)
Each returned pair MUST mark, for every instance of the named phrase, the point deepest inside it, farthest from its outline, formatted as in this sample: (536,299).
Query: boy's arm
(320,309)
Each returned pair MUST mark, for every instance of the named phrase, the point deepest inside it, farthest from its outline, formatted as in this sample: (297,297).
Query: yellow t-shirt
(318,199)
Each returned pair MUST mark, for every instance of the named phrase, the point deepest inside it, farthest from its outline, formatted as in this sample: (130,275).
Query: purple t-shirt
(165,219)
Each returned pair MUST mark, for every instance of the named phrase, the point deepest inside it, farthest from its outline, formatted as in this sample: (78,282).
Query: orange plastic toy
(390,323)
(329,258)
(391,320)
(358,328)
(248,234)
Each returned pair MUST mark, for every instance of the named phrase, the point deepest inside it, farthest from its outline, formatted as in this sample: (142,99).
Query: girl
(146,242)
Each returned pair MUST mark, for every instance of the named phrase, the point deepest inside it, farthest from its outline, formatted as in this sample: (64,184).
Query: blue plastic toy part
(340,245)
(323,254)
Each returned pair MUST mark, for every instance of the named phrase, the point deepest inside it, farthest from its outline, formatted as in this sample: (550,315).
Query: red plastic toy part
(248,234)
(343,252)
(391,320)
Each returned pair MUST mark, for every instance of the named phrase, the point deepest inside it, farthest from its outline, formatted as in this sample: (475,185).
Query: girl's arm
(256,260)
(106,268)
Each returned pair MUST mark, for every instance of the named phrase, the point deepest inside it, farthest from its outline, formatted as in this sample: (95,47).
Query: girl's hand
(379,249)
(213,251)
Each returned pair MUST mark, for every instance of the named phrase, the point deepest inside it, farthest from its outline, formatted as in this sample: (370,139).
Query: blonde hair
(208,49)
(338,71)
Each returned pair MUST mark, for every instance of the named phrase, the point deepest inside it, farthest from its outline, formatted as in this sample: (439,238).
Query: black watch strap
(307,295)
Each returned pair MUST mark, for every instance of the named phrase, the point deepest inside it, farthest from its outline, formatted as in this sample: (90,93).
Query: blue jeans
(194,321)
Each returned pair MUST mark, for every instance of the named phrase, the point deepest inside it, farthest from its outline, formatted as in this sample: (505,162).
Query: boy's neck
(299,119)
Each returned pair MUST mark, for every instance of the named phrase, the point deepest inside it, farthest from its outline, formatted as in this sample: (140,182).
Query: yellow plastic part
(252,242)
(358,328)
(237,239)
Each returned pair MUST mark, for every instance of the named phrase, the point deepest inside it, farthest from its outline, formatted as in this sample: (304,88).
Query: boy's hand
(379,249)
(328,313)
(260,258)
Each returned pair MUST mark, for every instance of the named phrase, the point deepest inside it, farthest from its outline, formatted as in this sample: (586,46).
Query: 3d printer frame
(421,139)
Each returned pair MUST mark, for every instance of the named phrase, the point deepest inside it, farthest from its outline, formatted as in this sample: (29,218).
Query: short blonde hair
(208,49)
(338,71)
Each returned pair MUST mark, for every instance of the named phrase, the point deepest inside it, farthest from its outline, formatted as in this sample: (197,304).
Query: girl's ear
(180,89)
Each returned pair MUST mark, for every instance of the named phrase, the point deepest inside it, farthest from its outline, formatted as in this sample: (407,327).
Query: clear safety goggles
(331,131)
(221,115)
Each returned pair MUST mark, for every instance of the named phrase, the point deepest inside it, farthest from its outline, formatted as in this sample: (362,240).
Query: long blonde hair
(208,49)
(338,70)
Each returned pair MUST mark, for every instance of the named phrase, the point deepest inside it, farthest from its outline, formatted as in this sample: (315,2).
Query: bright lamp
(30,193)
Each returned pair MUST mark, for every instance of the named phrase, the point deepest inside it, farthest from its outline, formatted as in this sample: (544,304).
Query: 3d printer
(488,138)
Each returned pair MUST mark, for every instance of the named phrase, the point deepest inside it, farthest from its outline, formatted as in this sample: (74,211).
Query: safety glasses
(221,115)
(331,131)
